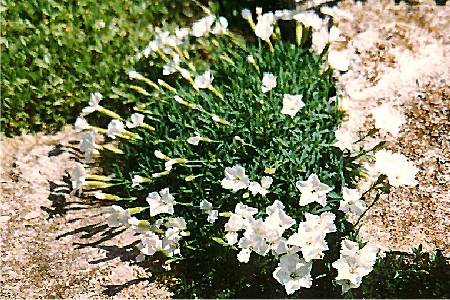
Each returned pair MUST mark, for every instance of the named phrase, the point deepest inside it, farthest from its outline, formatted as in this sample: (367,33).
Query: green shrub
(296,147)
(54,53)
(402,275)
(192,134)
(178,171)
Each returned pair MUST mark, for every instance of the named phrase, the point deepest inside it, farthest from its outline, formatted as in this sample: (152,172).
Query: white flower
(94,104)
(220,27)
(117,216)
(256,188)
(87,144)
(311,243)
(264,27)
(310,236)
(277,204)
(246,14)
(172,66)
(292,104)
(338,60)
(182,33)
(231,238)
(245,211)
(251,59)
(352,201)
(78,176)
(186,75)
(137,179)
(172,235)
(278,220)
(256,237)
(115,127)
(172,41)
(194,140)
(284,14)
(320,39)
(139,226)
(387,118)
(160,203)
(169,164)
(135,75)
(313,191)
(269,81)
(266,182)
(204,81)
(353,264)
(244,255)
(160,174)
(235,179)
(137,120)
(293,273)
(206,205)
(202,26)
(160,155)
(280,247)
(150,243)
(81,124)
(334,34)
(213,214)
(396,166)
(178,222)
(345,138)
(309,19)
(325,222)
(152,46)
(235,223)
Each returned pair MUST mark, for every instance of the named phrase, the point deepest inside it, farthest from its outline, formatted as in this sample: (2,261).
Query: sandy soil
(400,55)
(53,246)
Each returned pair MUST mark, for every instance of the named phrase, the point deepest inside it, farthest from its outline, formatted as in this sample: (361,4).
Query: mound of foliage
(235,138)
(233,169)
(407,276)
(55,53)
(256,136)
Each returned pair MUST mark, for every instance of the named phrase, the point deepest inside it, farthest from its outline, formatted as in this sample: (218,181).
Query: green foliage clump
(252,133)
(401,275)
(54,53)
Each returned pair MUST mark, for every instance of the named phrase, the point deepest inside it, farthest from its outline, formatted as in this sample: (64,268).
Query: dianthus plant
(228,171)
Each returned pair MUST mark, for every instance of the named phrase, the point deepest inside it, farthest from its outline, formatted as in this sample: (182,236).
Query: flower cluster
(354,264)
(236,179)
(312,190)
(310,237)
(152,237)
(259,236)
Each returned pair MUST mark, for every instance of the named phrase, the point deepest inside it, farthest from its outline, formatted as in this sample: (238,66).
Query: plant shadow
(97,233)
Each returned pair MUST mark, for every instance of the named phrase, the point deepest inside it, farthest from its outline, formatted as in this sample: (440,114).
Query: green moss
(54,53)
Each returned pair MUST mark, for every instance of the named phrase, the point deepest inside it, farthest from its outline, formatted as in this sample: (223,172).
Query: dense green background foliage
(54,53)
(402,275)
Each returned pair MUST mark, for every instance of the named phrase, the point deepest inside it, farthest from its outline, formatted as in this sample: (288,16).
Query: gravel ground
(51,246)
(400,55)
